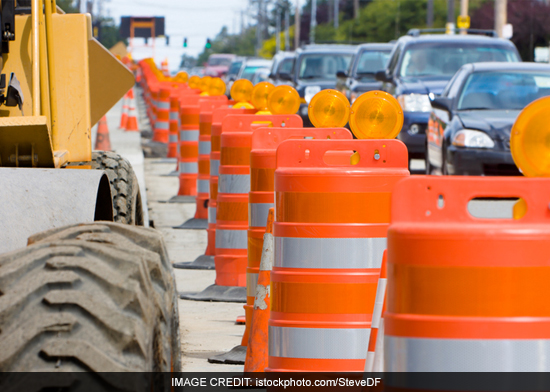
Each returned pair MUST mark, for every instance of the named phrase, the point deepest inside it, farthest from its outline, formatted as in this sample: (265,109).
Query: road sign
(463,22)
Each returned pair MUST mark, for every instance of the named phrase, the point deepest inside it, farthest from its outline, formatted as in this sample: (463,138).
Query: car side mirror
(285,76)
(341,74)
(442,103)
(382,76)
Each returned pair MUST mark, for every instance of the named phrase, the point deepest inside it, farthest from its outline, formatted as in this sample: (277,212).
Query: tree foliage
(239,44)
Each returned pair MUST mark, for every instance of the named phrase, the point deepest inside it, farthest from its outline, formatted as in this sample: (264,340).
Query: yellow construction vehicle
(82,296)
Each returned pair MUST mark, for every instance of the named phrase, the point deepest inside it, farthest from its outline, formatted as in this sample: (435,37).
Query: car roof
(377,46)
(455,38)
(329,48)
(507,66)
(258,63)
(284,55)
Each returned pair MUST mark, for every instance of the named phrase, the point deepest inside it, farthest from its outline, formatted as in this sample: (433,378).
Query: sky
(195,19)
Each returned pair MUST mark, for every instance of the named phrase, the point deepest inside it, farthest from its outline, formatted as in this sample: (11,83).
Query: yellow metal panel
(73,134)
(24,141)
(109,80)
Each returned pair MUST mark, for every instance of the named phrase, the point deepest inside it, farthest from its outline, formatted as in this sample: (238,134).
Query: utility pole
(500,16)
(450,17)
(356,9)
(336,13)
(297,17)
(463,12)
(259,27)
(287,31)
(430,14)
(278,29)
(313,23)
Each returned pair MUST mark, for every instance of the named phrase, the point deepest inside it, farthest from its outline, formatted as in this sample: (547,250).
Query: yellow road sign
(463,22)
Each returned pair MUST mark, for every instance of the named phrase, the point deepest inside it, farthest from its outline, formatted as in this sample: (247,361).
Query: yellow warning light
(205,83)
(328,109)
(376,115)
(260,92)
(530,139)
(217,87)
(182,77)
(194,81)
(283,100)
(241,90)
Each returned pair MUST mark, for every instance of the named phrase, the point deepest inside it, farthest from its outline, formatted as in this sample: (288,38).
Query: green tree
(239,44)
(67,6)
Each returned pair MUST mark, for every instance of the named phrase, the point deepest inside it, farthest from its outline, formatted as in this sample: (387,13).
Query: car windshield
(286,66)
(443,60)
(507,90)
(235,67)
(216,61)
(370,62)
(323,66)
(248,72)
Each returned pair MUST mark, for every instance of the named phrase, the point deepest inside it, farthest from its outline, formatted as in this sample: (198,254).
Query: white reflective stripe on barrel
(231,239)
(214,167)
(174,116)
(338,253)
(162,124)
(257,214)
(212,214)
(403,354)
(234,183)
(203,186)
(162,105)
(318,343)
(204,148)
(251,283)
(189,167)
(173,138)
(379,302)
(189,136)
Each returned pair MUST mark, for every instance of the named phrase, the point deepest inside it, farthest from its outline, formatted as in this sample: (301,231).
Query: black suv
(360,77)
(421,65)
(315,68)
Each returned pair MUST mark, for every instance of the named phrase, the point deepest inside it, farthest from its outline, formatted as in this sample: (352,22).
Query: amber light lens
(241,90)
(283,100)
(194,81)
(329,109)
(205,83)
(376,115)
(217,87)
(260,93)
(530,139)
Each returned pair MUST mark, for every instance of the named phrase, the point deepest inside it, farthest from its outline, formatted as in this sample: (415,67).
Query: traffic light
(185,42)
(208,43)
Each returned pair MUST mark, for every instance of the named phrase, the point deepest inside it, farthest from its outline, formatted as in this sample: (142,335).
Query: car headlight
(415,102)
(473,139)
(310,91)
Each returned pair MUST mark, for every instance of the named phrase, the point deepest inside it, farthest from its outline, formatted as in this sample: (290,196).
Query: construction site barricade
(174,127)
(330,234)
(189,145)
(162,118)
(233,187)
(467,294)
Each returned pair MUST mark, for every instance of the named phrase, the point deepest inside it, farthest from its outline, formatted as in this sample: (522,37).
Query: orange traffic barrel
(233,187)
(261,197)
(188,145)
(465,293)
(162,119)
(330,235)
(174,127)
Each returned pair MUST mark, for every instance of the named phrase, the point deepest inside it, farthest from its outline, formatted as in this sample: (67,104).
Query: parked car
(218,64)
(247,68)
(360,77)
(421,65)
(315,69)
(260,75)
(283,63)
(469,126)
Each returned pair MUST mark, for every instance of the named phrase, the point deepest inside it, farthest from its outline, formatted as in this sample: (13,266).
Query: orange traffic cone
(375,354)
(124,116)
(257,349)
(102,141)
(132,123)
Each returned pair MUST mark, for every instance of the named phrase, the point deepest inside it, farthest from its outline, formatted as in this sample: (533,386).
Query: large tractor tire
(91,298)
(127,207)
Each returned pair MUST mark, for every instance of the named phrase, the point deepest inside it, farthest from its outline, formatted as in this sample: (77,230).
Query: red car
(218,64)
